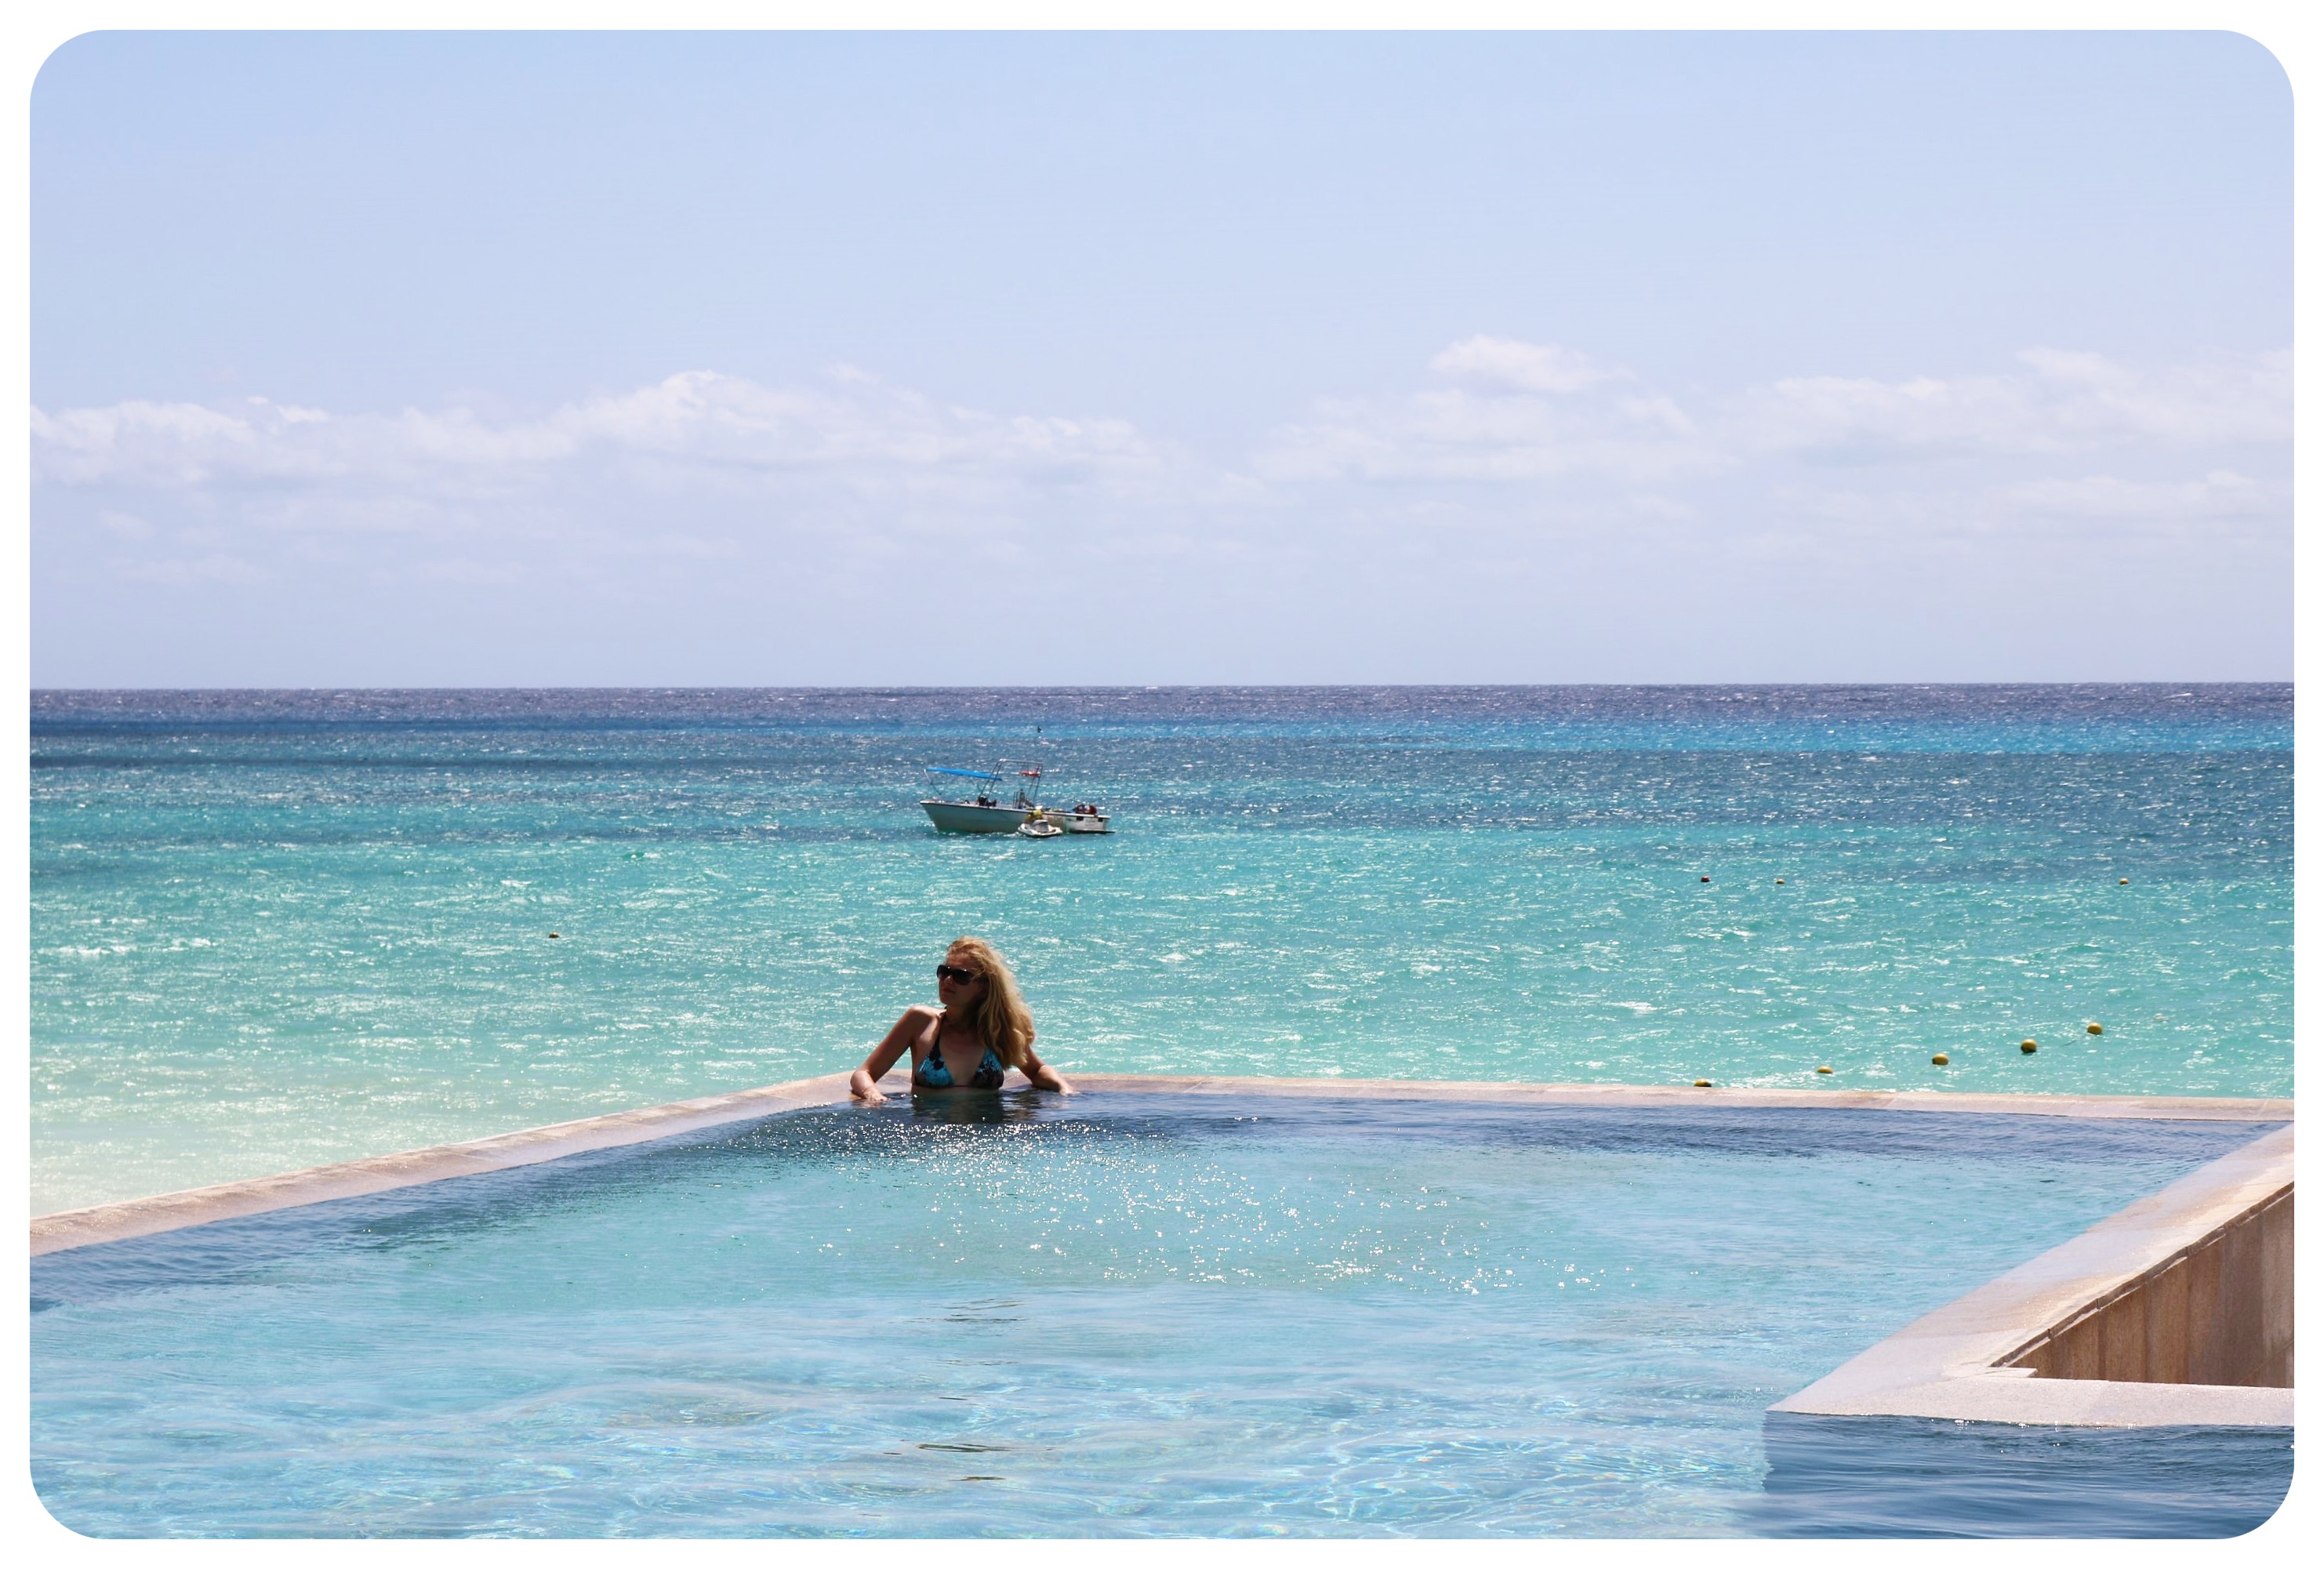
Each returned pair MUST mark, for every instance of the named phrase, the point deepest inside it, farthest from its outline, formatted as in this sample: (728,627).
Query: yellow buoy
(2096,1027)
(554,933)
(2027,1046)
(1823,1070)
(1702,1083)
(1779,883)
(1940,1059)
(2123,882)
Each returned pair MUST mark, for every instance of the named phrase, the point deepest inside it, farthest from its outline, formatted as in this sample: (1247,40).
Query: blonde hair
(1002,1021)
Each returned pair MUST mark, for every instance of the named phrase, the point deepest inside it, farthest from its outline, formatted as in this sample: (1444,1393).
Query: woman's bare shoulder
(921,1012)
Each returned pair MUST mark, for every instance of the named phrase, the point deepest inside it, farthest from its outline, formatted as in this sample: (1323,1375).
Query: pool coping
(196,1206)
(1953,1364)
(142,1217)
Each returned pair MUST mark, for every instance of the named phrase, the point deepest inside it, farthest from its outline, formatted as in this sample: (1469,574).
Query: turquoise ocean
(274,930)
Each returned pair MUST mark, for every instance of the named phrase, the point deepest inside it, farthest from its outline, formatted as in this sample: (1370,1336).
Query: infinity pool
(1115,1315)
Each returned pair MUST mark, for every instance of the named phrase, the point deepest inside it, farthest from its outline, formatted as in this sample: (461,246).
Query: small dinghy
(1085,819)
(1038,826)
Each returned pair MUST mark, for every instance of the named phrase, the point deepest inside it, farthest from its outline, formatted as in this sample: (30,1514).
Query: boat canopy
(966,773)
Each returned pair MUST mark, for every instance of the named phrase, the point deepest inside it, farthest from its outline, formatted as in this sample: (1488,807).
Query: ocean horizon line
(1177,685)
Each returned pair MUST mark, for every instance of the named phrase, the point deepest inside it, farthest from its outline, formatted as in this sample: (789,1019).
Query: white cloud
(1521,414)
(2059,403)
(1506,444)
(697,422)
(1509,363)
(183,574)
(1502,411)
(2223,510)
(2221,495)
(172,446)
(1518,412)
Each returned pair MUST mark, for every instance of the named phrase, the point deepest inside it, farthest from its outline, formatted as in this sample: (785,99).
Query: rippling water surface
(274,930)
(1112,1315)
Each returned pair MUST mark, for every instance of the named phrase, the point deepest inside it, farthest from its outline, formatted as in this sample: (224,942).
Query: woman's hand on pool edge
(860,1086)
(1042,1076)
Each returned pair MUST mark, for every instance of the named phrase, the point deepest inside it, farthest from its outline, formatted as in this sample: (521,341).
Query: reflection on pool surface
(1910,1476)
(1119,1314)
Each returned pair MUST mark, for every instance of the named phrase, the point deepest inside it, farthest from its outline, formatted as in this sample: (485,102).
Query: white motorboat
(981,813)
(973,818)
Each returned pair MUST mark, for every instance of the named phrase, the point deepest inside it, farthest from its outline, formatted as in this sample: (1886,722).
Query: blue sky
(771,359)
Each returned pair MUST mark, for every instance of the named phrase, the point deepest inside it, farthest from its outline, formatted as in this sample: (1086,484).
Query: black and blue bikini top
(932,1073)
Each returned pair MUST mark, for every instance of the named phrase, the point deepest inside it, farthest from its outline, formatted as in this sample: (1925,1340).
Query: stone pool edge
(139,1217)
(1957,1364)
(195,1206)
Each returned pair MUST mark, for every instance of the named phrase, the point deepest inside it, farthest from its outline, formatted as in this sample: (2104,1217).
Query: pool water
(1114,1314)
(1841,1476)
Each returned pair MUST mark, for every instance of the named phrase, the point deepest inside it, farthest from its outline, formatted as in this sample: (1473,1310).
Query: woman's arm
(863,1084)
(1041,1075)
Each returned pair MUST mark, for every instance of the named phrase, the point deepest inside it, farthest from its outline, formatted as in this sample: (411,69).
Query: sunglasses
(955,972)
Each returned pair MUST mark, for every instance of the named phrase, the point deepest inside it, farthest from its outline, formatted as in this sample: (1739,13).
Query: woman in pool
(982,1031)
